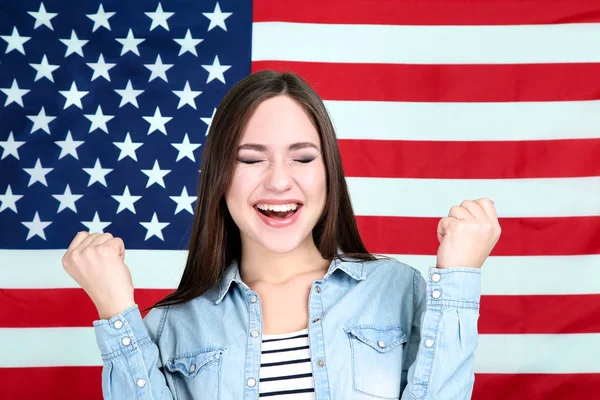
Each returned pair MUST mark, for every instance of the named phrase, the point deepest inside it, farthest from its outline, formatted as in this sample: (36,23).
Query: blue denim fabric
(377,330)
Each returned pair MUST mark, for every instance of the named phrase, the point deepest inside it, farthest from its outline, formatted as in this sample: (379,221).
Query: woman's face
(279,184)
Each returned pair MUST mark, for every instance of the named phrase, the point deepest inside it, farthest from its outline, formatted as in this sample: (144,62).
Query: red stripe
(541,314)
(460,82)
(55,308)
(487,160)
(75,383)
(499,314)
(431,12)
(536,386)
(520,236)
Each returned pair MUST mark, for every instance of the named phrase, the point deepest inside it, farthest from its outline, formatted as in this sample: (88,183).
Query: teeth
(278,207)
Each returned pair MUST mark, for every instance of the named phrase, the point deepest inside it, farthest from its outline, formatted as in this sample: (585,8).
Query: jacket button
(436,294)
(429,343)
(254,333)
(192,368)
(141,383)
(126,341)
(253,299)
(118,324)
(316,319)
(318,289)
(321,363)
(436,277)
(251,382)
(381,344)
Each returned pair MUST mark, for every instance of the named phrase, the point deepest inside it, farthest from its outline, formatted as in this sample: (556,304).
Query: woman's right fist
(96,262)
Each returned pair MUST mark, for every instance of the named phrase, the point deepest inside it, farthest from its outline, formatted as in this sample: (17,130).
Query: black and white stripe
(285,367)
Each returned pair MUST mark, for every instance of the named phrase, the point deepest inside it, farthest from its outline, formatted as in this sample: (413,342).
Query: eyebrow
(263,148)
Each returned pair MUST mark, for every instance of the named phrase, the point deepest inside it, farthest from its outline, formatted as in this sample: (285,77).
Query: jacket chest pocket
(196,375)
(377,353)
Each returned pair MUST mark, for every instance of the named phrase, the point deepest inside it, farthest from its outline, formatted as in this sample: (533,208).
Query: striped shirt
(285,367)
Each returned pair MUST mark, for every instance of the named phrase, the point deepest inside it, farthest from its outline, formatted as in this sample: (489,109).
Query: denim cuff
(122,334)
(455,287)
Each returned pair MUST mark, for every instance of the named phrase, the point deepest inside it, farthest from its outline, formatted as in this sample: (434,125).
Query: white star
(126,201)
(208,121)
(130,43)
(69,146)
(37,173)
(128,148)
(15,41)
(44,70)
(188,43)
(41,121)
(154,228)
(217,18)
(156,175)
(67,199)
(99,120)
(101,68)
(100,18)
(159,70)
(215,71)
(129,95)
(184,202)
(97,174)
(159,17)
(9,200)
(73,97)
(96,225)
(42,17)
(36,227)
(14,94)
(157,122)
(74,45)
(185,148)
(187,96)
(10,147)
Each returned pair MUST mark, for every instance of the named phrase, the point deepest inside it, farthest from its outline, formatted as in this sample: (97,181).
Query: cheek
(313,181)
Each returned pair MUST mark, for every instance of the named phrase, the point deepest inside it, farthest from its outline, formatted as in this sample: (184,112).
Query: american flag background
(105,107)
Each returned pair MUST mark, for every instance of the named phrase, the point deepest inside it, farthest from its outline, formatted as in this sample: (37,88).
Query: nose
(279,177)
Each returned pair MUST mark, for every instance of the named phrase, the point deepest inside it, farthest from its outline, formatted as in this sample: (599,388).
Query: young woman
(279,298)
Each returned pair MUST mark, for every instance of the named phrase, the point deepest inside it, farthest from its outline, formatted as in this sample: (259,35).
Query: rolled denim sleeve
(130,356)
(444,335)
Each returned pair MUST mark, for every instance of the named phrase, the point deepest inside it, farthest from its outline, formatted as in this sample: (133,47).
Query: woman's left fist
(468,234)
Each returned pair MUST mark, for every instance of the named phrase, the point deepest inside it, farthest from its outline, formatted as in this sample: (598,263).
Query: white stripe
(285,356)
(548,120)
(553,275)
(286,384)
(287,369)
(294,396)
(495,354)
(342,43)
(303,341)
(553,197)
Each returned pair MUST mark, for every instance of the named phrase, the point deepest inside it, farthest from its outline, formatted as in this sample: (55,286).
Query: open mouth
(278,212)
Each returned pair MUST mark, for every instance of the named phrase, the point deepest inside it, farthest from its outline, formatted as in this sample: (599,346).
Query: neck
(260,264)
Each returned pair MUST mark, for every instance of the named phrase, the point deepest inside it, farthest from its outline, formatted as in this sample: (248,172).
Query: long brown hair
(215,239)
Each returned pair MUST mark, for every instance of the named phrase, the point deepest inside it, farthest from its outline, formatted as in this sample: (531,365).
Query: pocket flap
(190,364)
(380,338)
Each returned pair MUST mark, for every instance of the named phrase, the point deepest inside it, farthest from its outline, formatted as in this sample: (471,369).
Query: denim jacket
(377,330)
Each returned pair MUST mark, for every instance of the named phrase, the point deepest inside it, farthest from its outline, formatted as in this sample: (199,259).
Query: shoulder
(390,266)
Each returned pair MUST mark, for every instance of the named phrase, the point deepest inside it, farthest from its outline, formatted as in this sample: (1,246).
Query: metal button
(321,363)
(318,289)
(253,298)
(126,341)
(316,319)
(118,324)
(141,383)
(251,382)
(254,333)
(192,367)
(429,343)
(381,344)
(436,294)
(436,277)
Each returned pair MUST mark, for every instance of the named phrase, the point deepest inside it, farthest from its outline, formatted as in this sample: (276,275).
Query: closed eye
(250,162)
(305,160)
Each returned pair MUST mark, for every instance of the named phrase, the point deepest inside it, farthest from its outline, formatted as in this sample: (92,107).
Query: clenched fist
(96,262)
(468,234)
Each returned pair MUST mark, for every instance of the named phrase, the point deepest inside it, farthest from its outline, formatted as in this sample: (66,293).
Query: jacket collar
(352,267)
